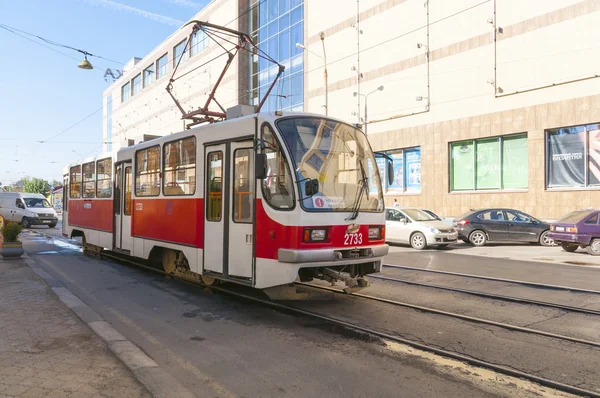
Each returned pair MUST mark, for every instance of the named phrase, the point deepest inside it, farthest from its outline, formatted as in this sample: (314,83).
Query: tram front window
(340,158)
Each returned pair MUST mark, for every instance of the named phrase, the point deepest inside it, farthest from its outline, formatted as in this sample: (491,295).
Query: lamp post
(366,96)
(324,58)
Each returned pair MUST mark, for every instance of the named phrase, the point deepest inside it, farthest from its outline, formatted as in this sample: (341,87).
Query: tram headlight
(315,235)
(375,233)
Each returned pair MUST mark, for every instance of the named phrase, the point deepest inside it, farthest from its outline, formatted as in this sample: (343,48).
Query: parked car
(483,225)
(446,220)
(417,228)
(28,209)
(578,229)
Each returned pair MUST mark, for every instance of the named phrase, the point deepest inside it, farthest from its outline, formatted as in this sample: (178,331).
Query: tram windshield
(339,157)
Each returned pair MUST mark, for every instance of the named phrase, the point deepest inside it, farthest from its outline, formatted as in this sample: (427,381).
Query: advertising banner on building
(413,170)
(398,183)
(594,157)
(381,166)
(566,160)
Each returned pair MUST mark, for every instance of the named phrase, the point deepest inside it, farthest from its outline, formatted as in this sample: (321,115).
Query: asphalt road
(220,346)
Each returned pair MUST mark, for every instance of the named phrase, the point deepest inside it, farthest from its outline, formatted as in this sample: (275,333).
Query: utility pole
(358,61)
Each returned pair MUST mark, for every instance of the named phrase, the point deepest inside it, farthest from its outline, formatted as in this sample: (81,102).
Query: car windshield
(35,202)
(418,215)
(339,157)
(575,216)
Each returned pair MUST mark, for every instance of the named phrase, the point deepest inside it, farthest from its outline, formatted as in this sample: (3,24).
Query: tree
(55,183)
(36,185)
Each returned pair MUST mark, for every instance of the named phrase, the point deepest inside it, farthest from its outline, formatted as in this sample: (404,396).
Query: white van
(28,209)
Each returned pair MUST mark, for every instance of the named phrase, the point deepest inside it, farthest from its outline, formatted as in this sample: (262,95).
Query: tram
(262,200)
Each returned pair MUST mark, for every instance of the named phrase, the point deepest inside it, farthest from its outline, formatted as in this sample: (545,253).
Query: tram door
(65,204)
(229,207)
(123,240)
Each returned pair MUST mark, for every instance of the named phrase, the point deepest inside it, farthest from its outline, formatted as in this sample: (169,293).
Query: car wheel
(52,225)
(25,222)
(478,238)
(568,247)
(594,247)
(418,241)
(545,240)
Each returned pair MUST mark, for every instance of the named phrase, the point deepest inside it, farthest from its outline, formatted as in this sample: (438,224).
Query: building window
(147,172)
(199,42)
(489,164)
(179,164)
(148,76)
(125,92)
(179,52)
(277,26)
(214,171)
(75,182)
(161,66)
(407,171)
(136,84)
(104,178)
(89,180)
(573,156)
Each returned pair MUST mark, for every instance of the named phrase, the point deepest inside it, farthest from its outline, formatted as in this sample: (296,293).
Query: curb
(158,382)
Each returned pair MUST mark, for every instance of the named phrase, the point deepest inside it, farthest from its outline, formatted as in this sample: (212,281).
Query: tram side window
(277,188)
(75,182)
(89,180)
(147,172)
(104,178)
(179,162)
(127,210)
(214,203)
(243,187)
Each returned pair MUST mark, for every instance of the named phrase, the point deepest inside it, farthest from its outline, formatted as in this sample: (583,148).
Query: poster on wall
(372,172)
(594,157)
(398,183)
(413,170)
(381,165)
(566,160)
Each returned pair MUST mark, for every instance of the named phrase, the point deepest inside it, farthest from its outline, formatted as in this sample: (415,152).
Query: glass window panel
(136,84)
(284,89)
(262,62)
(284,6)
(273,9)
(488,164)
(104,178)
(147,172)
(398,163)
(148,76)
(89,180)
(214,204)
(277,187)
(295,3)
(117,204)
(179,52)
(199,42)
(593,154)
(515,165)
(297,63)
(273,48)
(127,210)
(179,164)
(272,28)
(566,164)
(125,92)
(296,15)
(262,13)
(75,182)
(462,166)
(412,169)
(284,22)
(263,34)
(297,37)
(243,186)
(162,64)
(284,45)
(297,88)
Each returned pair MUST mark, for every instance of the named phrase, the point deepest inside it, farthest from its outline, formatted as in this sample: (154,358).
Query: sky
(43,93)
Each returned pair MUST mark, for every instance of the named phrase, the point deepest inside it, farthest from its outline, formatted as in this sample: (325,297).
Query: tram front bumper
(332,256)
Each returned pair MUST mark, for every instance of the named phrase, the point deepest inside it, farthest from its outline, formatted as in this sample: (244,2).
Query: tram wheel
(169,259)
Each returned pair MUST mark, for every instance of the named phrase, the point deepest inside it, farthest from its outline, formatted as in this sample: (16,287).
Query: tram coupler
(353,284)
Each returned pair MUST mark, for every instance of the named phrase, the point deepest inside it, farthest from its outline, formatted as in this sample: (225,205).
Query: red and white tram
(259,200)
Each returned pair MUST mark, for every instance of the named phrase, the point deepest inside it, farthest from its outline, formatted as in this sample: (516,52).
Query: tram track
(503,369)
(490,278)
(491,295)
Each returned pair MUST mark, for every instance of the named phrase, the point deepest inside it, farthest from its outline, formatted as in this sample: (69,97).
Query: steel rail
(482,321)
(491,295)
(439,351)
(526,283)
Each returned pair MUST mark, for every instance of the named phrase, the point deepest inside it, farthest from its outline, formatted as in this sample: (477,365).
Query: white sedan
(417,228)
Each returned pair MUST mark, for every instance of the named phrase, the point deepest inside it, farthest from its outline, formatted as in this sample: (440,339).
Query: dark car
(578,229)
(483,225)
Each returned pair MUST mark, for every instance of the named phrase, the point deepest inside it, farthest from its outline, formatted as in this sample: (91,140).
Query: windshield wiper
(363,186)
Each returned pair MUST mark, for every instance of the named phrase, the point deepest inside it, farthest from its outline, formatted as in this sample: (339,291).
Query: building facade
(479,103)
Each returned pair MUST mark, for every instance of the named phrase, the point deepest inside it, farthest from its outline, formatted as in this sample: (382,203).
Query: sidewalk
(46,351)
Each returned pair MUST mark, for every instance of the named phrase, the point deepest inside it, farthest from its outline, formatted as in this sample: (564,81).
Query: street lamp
(380,88)
(85,64)
(324,58)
